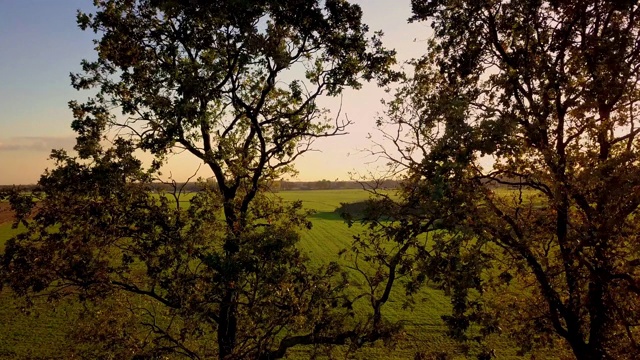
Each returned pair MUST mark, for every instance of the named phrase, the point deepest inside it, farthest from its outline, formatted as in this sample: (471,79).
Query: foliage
(222,277)
(105,241)
(548,90)
(52,330)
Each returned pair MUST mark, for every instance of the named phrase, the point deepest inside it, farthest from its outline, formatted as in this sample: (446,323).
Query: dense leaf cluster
(548,91)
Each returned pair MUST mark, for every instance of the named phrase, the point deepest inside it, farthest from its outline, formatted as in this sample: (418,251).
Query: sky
(40,44)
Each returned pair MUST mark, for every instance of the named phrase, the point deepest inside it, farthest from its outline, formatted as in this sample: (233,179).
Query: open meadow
(42,333)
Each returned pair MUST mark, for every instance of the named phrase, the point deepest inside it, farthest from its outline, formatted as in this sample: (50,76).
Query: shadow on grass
(327,215)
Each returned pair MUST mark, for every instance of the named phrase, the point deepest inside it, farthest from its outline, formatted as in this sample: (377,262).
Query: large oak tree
(235,84)
(549,90)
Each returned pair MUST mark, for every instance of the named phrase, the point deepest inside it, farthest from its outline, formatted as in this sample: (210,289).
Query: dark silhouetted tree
(549,91)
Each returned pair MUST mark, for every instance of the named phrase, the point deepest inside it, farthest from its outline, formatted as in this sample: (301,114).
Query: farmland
(42,333)
(6,219)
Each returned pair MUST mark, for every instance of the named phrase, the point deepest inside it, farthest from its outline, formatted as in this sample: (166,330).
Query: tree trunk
(579,348)
(588,353)
(228,325)
(593,350)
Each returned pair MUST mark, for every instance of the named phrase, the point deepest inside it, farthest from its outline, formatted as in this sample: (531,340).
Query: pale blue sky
(40,45)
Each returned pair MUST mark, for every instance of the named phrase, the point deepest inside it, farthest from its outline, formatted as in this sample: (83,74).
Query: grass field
(330,234)
(43,335)
(6,232)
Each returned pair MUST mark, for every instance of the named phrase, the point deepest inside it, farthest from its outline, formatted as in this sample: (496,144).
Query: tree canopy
(235,84)
(547,90)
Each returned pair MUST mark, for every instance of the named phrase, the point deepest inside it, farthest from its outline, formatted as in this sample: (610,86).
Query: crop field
(5,233)
(41,334)
(6,220)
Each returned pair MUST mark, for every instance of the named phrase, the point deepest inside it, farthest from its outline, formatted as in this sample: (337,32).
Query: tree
(548,90)
(222,81)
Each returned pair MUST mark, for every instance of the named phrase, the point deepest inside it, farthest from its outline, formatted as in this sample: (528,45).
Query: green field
(6,232)
(43,334)
(330,234)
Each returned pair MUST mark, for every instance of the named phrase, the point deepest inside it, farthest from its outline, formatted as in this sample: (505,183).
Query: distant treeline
(281,185)
(333,185)
(29,187)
